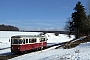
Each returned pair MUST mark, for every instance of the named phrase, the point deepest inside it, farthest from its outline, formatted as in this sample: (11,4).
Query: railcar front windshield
(16,41)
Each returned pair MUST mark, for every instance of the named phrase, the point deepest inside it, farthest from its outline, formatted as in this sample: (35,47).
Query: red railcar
(22,43)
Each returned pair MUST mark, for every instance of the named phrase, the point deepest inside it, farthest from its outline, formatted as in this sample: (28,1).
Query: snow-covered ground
(80,52)
(58,39)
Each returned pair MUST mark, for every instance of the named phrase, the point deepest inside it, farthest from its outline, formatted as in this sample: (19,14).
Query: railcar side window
(33,40)
(26,40)
(30,41)
(23,41)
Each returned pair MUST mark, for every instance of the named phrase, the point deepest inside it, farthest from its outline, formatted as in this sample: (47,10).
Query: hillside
(8,28)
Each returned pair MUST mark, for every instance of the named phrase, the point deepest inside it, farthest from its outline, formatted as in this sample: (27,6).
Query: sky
(37,14)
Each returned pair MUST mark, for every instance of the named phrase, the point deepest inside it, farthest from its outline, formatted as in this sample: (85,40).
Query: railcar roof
(20,36)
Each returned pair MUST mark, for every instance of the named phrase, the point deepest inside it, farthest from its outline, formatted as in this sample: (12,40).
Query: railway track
(5,48)
(12,55)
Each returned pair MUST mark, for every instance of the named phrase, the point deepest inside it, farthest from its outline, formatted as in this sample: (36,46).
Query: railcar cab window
(20,41)
(16,41)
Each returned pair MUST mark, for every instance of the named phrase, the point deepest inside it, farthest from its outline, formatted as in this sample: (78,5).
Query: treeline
(8,28)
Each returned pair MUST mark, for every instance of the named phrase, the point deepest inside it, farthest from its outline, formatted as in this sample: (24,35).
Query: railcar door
(23,45)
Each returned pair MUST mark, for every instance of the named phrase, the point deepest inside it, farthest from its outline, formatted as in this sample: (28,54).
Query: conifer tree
(78,22)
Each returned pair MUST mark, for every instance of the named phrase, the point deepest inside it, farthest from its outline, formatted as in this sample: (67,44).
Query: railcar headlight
(12,47)
(18,47)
